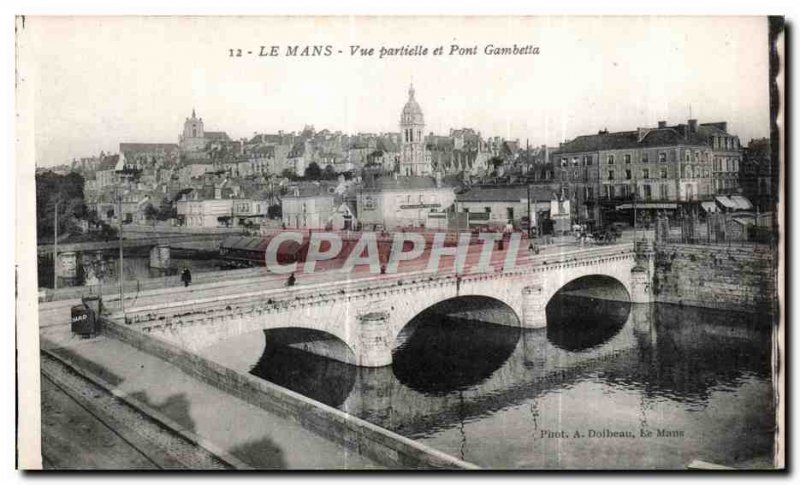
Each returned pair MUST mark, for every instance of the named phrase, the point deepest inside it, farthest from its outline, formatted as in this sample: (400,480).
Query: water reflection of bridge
(630,351)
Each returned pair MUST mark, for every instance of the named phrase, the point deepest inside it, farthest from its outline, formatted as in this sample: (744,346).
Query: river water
(606,385)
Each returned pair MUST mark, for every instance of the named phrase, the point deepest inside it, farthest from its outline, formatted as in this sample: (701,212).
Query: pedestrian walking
(186,277)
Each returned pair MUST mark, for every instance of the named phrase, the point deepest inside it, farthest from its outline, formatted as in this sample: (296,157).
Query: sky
(98,81)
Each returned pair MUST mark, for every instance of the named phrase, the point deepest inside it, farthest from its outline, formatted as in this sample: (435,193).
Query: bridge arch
(587,312)
(595,285)
(477,307)
(455,343)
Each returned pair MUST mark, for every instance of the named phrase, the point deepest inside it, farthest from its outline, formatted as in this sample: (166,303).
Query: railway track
(144,436)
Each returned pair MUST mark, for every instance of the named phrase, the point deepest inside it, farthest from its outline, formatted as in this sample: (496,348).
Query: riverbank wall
(740,278)
(386,447)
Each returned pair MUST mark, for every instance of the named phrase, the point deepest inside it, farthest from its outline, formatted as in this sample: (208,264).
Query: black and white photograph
(400,242)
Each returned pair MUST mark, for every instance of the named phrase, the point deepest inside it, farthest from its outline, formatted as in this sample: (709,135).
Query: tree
(150,212)
(67,192)
(166,210)
(313,172)
(329,173)
(289,174)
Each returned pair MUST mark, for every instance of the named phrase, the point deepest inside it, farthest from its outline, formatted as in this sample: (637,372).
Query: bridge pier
(534,306)
(641,274)
(374,347)
(640,285)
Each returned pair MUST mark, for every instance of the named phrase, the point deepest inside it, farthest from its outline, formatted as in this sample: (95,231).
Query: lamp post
(55,247)
(121,260)
(530,220)
(635,196)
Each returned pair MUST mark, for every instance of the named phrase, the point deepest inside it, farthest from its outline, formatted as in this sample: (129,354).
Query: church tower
(193,137)
(412,139)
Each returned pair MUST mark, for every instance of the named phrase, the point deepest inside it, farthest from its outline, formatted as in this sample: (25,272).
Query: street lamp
(121,259)
(635,196)
(55,247)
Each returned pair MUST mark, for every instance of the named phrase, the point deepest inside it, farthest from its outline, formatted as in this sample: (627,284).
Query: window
(610,175)
(609,191)
(590,193)
(644,158)
(663,173)
(563,175)
(627,158)
(487,209)
(663,191)
(610,159)
(574,161)
(645,173)
(627,174)
(662,157)
(648,192)
(563,162)
(688,156)
(575,174)
(587,160)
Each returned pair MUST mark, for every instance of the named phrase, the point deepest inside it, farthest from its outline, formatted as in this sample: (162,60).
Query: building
(397,202)
(309,206)
(413,161)
(209,207)
(757,179)
(194,140)
(250,212)
(663,168)
(498,206)
(345,217)
(148,155)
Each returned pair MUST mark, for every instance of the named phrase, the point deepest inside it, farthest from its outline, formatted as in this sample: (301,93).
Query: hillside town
(414,179)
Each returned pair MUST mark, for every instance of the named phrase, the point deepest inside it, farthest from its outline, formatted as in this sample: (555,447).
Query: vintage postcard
(393,243)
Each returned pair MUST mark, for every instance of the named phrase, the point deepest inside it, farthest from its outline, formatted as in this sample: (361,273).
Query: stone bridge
(368,314)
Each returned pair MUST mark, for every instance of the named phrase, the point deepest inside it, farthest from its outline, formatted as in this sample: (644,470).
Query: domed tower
(193,137)
(412,139)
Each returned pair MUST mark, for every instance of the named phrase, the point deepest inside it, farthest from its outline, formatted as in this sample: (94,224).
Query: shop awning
(709,207)
(726,202)
(648,205)
(741,202)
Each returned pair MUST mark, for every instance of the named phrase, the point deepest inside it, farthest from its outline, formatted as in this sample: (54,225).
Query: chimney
(662,124)
(692,126)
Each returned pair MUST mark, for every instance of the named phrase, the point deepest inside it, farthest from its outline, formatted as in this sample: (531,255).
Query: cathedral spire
(411,90)
(193,115)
